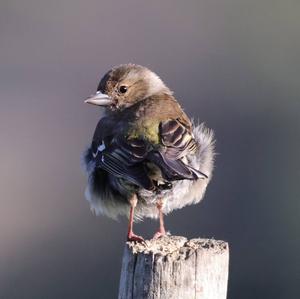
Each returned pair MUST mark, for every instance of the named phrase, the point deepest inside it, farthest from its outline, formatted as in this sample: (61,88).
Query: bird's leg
(131,236)
(161,232)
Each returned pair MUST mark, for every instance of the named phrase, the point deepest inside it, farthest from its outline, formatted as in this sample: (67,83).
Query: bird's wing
(177,139)
(122,158)
(177,142)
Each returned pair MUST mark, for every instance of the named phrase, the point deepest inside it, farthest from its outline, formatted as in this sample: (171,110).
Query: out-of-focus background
(233,64)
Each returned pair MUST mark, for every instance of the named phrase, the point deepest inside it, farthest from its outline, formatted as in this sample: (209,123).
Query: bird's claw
(135,238)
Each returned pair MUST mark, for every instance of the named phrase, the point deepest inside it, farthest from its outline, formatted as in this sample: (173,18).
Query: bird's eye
(123,89)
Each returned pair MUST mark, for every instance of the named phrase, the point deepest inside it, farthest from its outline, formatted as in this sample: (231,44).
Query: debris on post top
(173,267)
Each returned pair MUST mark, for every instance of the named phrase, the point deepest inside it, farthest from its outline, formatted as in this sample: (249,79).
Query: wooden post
(172,267)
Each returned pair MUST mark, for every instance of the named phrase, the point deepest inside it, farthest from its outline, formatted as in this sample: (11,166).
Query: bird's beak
(99,99)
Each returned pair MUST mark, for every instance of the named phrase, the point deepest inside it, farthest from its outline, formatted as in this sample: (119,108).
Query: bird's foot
(133,237)
(159,234)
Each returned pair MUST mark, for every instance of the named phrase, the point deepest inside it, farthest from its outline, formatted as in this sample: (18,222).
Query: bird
(147,157)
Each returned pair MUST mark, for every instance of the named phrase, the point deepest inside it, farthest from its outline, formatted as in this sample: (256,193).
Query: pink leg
(131,236)
(161,232)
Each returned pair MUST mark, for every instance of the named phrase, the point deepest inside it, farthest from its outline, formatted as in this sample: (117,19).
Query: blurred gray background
(232,64)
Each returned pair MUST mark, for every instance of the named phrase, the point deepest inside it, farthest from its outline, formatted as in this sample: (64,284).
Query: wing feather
(127,158)
(178,142)
(124,159)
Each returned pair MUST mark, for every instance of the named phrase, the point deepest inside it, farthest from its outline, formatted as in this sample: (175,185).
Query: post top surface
(177,245)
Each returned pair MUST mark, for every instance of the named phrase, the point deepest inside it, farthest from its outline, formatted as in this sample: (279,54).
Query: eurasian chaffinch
(146,158)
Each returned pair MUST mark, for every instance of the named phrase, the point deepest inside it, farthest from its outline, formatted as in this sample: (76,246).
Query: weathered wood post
(172,267)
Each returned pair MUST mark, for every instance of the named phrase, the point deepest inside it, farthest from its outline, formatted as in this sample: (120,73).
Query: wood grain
(173,267)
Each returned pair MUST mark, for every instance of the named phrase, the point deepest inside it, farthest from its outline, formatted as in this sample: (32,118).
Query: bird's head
(125,85)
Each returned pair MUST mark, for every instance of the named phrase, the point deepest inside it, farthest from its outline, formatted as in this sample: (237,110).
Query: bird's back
(143,119)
